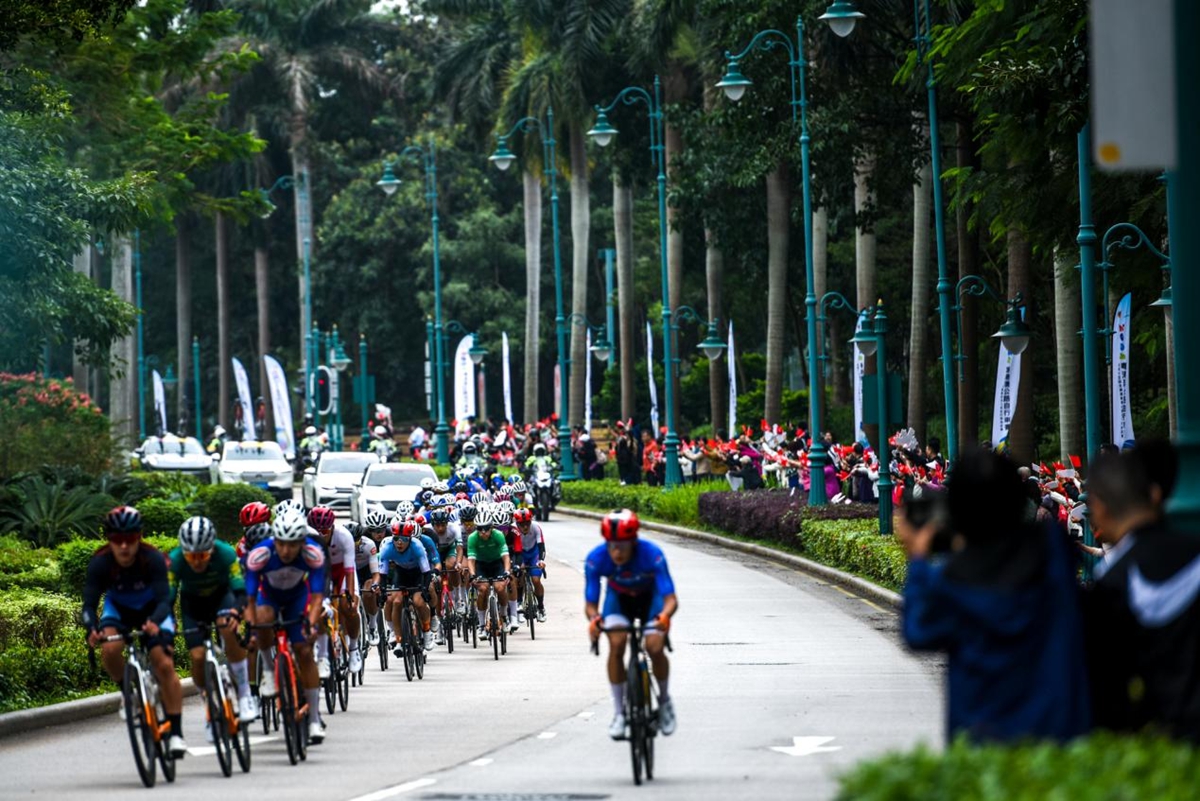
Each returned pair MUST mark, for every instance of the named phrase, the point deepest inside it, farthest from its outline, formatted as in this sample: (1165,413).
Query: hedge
(22,565)
(73,558)
(221,503)
(855,546)
(678,505)
(161,517)
(1100,766)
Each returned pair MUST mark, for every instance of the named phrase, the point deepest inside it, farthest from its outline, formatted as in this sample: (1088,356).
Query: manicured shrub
(772,515)
(46,422)
(221,503)
(842,511)
(35,619)
(1100,766)
(162,517)
(38,676)
(167,485)
(677,505)
(24,566)
(855,546)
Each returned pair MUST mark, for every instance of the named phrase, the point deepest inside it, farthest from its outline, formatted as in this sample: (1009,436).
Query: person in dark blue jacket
(997,596)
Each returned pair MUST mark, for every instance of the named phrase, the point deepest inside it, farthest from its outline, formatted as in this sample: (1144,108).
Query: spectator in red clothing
(651,459)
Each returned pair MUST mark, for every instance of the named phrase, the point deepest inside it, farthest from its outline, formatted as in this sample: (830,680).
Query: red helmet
(419,519)
(462,496)
(523,517)
(321,518)
(407,530)
(254,513)
(619,525)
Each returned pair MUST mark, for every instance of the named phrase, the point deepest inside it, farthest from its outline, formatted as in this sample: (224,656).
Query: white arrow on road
(804,746)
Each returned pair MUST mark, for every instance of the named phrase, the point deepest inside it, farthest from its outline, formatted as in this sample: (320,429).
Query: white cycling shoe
(440,638)
(666,718)
(177,746)
(247,709)
(323,669)
(541,616)
(372,637)
(616,729)
(427,637)
(266,684)
(355,661)
(316,733)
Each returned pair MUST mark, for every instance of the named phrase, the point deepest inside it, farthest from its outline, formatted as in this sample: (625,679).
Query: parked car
(331,482)
(173,454)
(261,464)
(386,484)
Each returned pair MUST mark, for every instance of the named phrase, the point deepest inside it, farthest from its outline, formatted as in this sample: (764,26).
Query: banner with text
(860,368)
(508,415)
(160,402)
(464,381)
(732,365)
(650,373)
(243,389)
(281,405)
(1122,406)
(1008,381)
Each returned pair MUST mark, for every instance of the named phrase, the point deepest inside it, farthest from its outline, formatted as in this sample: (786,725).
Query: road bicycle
(364,645)
(450,613)
(382,645)
(229,734)
(469,620)
(497,628)
(337,686)
(641,699)
(145,716)
(412,646)
(292,708)
(268,709)
(528,599)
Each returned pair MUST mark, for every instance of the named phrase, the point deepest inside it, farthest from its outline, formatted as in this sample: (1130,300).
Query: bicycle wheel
(635,716)
(494,631)
(650,730)
(406,641)
(217,721)
(239,732)
(137,712)
(166,760)
(343,685)
(531,608)
(419,660)
(383,644)
(287,711)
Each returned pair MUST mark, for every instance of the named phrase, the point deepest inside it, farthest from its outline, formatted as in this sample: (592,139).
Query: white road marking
(389,792)
(804,746)
(209,750)
(585,714)
(481,762)
(547,735)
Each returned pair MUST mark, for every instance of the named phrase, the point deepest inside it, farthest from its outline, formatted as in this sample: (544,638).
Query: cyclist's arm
(173,560)
(233,567)
(92,589)
(161,586)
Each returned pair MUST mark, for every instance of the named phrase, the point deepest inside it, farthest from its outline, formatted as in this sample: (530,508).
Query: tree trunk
(1020,432)
(623,238)
(864,233)
(532,185)
(1069,347)
(262,291)
(718,370)
(82,264)
(918,348)
(675,90)
(302,190)
(123,387)
(968,264)
(223,366)
(580,230)
(778,229)
(828,369)
(183,317)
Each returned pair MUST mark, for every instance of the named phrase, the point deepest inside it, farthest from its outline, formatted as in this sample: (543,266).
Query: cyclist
(285,578)
(252,514)
(639,587)
(433,596)
(539,458)
(425,493)
(343,582)
(366,562)
(531,550)
(407,565)
(206,575)
(382,443)
(132,577)
(487,557)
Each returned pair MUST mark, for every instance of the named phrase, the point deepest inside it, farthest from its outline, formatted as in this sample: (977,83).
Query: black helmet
(123,520)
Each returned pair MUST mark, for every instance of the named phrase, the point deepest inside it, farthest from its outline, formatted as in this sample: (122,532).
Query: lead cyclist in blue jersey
(639,586)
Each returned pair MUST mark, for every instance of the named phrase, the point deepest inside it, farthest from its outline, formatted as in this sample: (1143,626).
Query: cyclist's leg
(112,654)
(296,608)
(162,661)
(235,652)
(654,642)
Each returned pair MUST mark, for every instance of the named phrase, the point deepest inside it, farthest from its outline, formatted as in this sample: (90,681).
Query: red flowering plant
(44,421)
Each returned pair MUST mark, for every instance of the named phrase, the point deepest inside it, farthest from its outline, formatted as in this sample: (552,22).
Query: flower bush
(46,422)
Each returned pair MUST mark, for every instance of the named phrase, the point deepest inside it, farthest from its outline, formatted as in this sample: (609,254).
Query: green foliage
(162,517)
(46,422)
(168,485)
(24,566)
(677,505)
(856,547)
(73,558)
(45,514)
(38,676)
(1100,766)
(221,503)
(34,618)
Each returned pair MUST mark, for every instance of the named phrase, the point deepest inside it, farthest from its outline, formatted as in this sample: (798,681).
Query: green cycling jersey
(224,572)
(487,549)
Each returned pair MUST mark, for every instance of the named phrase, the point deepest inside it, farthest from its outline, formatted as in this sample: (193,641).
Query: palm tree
(918,350)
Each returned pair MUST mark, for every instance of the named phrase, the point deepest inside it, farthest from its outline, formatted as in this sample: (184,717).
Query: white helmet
(483,516)
(376,519)
(197,535)
(427,483)
(380,431)
(219,431)
(404,509)
(288,505)
(308,432)
(441,488)
(290,527)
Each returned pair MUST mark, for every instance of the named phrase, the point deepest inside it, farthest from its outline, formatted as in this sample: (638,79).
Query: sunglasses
(198,557)
(125,539)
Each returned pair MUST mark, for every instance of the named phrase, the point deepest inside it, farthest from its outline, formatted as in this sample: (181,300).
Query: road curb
(41,717)
(861,586)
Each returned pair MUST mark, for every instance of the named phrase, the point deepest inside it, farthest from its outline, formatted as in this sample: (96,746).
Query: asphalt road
(763,655)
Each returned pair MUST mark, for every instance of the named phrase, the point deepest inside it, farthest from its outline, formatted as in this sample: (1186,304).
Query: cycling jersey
(413,557)
(489,549)
(532,539)
(431,550)
(341,558)
(366,556)
(132,595)
(223,574)
(646,573)
(268,576)
(448,541)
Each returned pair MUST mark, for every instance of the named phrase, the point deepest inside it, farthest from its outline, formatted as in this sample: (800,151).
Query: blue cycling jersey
(431,550)
(265,569)
(646,573)
(413,557)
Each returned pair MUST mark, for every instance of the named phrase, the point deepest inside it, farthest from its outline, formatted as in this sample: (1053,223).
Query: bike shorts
(364,577)
(126,619)
(198,612)
(446,552)
(489,569)
(342,580)
(288,606)
(620,609)
(529,560)
(406,579)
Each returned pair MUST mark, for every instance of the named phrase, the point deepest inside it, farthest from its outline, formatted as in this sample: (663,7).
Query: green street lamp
(389,184)
(871,340)
(712,346)
(477,352)
(841,17)
(196,386)
(603,133)
(503,158)
(601,348)
(1014,333)
(362,381)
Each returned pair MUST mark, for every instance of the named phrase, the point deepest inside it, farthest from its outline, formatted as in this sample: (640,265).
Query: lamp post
(362,379)
(503,159)
(196,386)
(389,184)
(608,254)
(1014,333)
(842,18)
(339,361)
(141,343)
(601,348)
(872,340)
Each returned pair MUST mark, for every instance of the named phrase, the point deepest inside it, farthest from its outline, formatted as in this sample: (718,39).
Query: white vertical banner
(160,402)
(1008,381)
(557,393)
(733,393)
(428,380)
(508,415)
(281,405)
(860,367)
(587,384)
(1122,407)
(243,389)
(650,373)
(464,381)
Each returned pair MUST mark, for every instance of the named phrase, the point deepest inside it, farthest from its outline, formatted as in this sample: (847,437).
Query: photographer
(997,595)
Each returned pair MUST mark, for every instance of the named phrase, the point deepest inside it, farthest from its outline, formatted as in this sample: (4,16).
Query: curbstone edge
(24,720)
